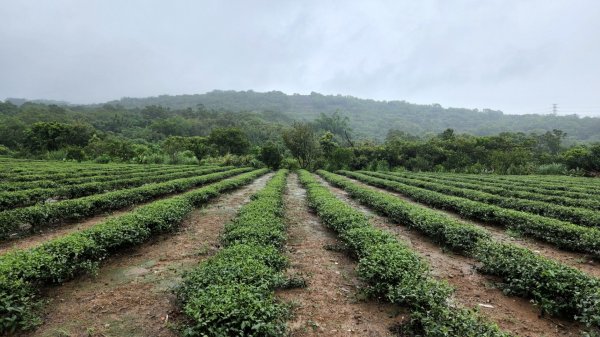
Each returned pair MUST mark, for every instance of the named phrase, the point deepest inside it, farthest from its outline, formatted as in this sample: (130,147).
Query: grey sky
(515,55)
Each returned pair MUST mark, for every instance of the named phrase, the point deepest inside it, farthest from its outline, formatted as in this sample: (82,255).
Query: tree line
(155,134)
(368,117)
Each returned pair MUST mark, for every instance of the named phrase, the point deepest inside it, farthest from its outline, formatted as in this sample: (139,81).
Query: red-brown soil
(513,314)
(576,260)
(331,304)
(28,240)
(53,232)
(132,294)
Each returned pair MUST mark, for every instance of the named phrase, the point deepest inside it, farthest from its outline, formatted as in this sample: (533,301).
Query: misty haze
(300,168)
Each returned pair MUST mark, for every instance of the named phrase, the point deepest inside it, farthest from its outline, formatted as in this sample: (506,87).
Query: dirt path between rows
(330,305)
(53,232)
(65,228)
(576,260)
(131,296)
(513,314)
(580,261)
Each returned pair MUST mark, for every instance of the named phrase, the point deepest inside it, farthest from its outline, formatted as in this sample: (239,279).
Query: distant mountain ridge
(371,118)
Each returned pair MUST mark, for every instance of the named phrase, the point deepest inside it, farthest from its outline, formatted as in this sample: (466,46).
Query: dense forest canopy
(183,129)
(372,119)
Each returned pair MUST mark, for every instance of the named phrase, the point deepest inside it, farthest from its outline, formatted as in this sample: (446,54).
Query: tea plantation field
(178,250)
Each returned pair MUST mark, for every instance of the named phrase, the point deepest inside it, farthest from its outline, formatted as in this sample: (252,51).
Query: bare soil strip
(513,314)
(580,261)
(330,305)
(65,228)
(576,260)
(131,296)
(53,232)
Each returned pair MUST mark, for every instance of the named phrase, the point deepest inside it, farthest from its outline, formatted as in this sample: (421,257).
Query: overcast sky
(519,56)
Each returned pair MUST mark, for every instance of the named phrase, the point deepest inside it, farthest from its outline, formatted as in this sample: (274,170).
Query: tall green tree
(583,157)
(230,140)
(51,136)
(200,146)
(271,154)
(328,145)
(302,142)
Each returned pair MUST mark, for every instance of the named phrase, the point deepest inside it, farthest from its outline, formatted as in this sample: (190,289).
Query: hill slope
(372,118)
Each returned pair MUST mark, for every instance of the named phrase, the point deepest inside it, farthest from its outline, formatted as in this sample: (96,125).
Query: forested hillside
(372,119)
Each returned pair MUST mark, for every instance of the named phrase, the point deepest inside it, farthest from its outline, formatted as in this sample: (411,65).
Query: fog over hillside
(372,119)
